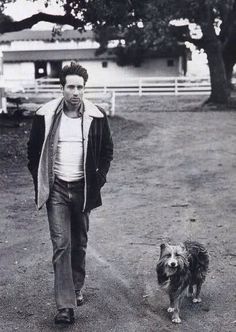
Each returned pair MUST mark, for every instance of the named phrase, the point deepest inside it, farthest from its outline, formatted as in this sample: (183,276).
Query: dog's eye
(168,255)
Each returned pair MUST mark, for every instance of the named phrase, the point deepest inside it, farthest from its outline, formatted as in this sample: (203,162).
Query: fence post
(140,87)
(113,102)
(36,86)
(176,86)
(3,102)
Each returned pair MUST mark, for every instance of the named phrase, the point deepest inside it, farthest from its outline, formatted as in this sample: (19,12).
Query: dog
(182,267)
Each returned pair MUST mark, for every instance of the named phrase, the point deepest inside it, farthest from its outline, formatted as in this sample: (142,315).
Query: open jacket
(42,146)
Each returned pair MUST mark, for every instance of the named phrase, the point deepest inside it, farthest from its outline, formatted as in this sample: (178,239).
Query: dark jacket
(42,145)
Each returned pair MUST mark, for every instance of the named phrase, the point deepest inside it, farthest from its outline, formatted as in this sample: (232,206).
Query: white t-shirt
(69,156)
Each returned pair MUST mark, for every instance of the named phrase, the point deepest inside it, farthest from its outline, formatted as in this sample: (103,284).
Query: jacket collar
(51,107)
(91,110)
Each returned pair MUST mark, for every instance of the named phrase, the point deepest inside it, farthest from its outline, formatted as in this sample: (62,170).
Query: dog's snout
(172,263)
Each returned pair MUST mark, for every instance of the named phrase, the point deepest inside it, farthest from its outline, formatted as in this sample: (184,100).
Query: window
(104,64)
(40,69)
(170,63)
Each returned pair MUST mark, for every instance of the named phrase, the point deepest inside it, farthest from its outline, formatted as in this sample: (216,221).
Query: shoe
(65,316)
(79,298)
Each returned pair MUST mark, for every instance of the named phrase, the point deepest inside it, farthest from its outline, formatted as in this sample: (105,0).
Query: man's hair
(73,69)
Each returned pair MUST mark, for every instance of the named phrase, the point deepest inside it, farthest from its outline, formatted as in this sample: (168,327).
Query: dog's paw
(176,320)
(170,309)
(197,300)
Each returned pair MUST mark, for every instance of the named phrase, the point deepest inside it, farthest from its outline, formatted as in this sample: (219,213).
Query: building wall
(113,72)
(97,73)
(18,71)
(198,65)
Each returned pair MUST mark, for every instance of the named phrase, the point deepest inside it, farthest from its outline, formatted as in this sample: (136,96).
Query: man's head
(73,69)
(73,79)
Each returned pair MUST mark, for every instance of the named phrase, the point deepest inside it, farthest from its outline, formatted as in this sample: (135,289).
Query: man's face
(73,89)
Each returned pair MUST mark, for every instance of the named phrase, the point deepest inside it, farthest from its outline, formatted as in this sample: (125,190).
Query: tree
(220,47)
(145,27)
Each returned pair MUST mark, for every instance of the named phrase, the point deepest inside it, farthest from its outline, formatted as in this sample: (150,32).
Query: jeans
(68,230)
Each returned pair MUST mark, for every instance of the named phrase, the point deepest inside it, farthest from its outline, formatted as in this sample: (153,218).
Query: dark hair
(73,69)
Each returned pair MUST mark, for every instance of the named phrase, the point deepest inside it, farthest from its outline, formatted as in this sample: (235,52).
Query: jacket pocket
(101,180)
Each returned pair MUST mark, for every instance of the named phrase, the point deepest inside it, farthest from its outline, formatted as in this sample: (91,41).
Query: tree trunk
(229,65)
(229,58)
(213,49)
(219,86)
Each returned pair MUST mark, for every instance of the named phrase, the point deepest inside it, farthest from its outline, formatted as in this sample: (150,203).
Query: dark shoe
(79,298)
(65,316)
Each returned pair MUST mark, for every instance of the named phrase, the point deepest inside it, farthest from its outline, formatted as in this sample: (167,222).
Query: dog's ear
(162,247)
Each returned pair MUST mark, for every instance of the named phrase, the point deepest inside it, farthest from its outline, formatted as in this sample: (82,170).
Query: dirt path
(173,178)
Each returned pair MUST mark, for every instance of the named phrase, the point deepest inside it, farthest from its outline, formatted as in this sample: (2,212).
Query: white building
(30,54)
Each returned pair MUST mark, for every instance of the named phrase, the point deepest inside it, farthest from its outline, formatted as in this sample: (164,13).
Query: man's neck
(73,111)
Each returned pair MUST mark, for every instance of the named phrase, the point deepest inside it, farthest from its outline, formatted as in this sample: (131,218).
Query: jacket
(42,145)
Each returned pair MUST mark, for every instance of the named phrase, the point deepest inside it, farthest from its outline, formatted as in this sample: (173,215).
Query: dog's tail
(198,258)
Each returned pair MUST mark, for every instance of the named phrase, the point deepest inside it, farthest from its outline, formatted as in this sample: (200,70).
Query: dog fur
(182,267)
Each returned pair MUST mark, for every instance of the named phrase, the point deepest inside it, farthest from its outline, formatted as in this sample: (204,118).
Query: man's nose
(76,91)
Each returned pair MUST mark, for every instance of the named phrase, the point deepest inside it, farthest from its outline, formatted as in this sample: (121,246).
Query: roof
(45,35)
(54,55)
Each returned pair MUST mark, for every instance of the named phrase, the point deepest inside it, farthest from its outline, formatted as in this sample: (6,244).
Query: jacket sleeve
(34,145)
(106,154)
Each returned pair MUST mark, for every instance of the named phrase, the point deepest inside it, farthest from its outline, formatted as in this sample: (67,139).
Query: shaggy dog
(181,267)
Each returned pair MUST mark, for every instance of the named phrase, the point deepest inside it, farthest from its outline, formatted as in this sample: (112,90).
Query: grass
(135,103)
(128,103)
(159,103)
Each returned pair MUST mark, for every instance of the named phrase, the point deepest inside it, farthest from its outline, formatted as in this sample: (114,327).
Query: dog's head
(172,259)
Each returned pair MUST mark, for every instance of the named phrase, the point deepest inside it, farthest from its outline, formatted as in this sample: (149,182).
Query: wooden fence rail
(140,86)
(107,91)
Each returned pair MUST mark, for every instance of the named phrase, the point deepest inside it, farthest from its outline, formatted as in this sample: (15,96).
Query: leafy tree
(145,27)
(157,32)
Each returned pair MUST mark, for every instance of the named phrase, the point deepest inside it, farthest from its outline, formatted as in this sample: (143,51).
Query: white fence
(106,92)
(136,86)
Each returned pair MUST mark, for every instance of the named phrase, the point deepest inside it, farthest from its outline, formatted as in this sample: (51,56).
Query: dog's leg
(171,307)
(190,291)
(174,309)
(196,298)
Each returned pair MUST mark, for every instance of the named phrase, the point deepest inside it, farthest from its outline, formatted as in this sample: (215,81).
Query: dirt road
(173,178)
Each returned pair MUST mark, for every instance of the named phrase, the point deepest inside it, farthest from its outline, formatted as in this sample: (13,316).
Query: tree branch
(228,25)
(199,43)
(36,18)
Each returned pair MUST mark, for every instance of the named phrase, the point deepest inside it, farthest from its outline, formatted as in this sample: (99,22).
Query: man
(69,152)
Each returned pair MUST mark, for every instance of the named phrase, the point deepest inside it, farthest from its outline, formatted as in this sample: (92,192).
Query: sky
(24,8)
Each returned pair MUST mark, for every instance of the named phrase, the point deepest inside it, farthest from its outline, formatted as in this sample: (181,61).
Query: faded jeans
(68,229)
